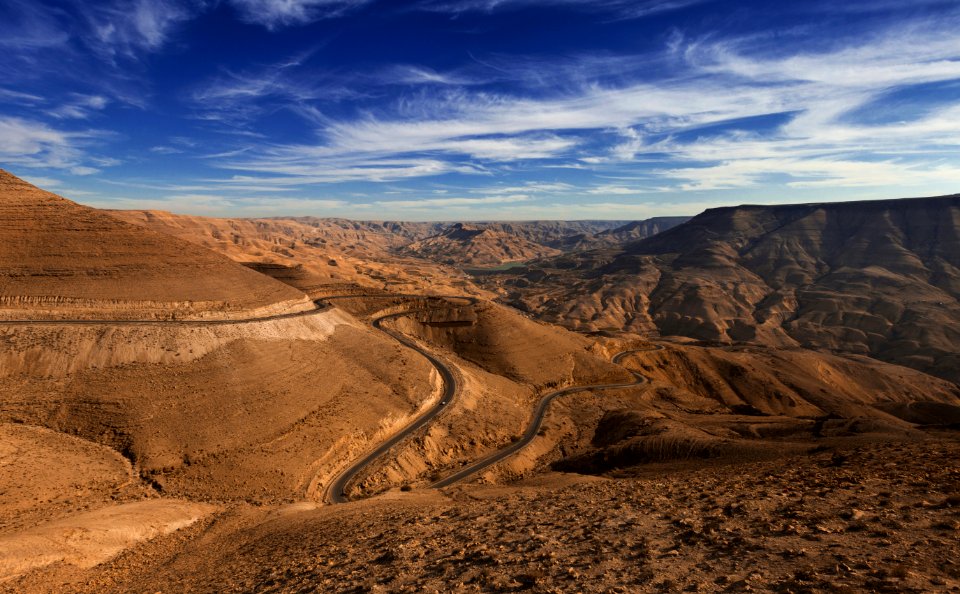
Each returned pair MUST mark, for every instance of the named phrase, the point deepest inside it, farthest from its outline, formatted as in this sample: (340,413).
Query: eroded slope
(472,246)
(878,278)
(59,258)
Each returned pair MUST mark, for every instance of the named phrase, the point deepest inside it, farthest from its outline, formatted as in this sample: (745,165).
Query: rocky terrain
(719,452)
(475,246)
(877,278)
(401,256)
(311,253)
(489,245)
(554,234)
(620,235)
(868,518)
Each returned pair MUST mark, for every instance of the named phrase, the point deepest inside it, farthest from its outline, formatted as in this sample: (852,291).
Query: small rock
(952,500)
(856,514)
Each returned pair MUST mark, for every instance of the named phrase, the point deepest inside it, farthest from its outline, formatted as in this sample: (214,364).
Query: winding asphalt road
(538,415)
(336,491)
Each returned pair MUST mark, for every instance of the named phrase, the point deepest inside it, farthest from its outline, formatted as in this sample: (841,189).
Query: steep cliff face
(57,256)
(880,278)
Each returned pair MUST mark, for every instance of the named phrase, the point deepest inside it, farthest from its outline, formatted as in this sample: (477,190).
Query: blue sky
(479,109)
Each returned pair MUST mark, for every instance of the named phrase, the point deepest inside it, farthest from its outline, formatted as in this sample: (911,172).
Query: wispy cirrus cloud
(71,60)
(17,97)
(33,144)
(623,9)
(274,14)
(447,202)
(700,119)
(79,106)
(704,108)
(295,170)
(28,25)
(222,205)
(127,29)
(527,188)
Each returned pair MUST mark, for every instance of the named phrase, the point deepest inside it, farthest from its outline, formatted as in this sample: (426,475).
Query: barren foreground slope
(880,518)
(60,258)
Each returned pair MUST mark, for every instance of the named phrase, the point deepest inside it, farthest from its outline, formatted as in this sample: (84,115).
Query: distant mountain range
(491,244)
(880,278)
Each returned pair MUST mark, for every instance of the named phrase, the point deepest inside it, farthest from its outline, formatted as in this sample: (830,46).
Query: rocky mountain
(555,234)
(478,246)
(495,243)
(635,230)
(880,278)
(617,236)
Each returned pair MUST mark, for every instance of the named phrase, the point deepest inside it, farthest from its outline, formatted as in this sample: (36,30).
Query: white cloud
(35,144)
(505,149)
(419,75)
(80,106)
(129,28)
(274,14)
(623,9)
(43,182)
(532,187)
(10,96)
(440,130)
(615,190)
(27,25)
(165,150)
(818,142)
(294,169)
(237,98)
(911,53)
(432,203)
(221,205)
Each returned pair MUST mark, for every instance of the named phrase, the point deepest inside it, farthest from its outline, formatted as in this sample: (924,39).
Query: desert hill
(60,258)
(314,253)
(554,234)
(490,244)
(470,245)
(880,278)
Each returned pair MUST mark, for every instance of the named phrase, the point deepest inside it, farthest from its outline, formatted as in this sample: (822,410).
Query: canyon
(758,397)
